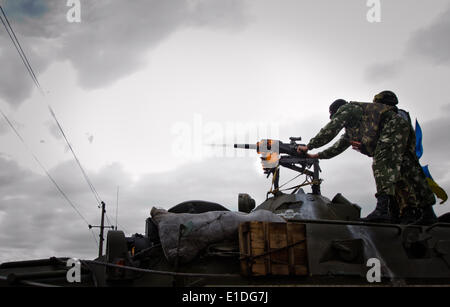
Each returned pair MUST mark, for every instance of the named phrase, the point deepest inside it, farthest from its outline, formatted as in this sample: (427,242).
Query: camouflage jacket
(361,122)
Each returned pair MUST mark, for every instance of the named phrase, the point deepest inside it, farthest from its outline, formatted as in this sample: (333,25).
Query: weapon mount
(275,153)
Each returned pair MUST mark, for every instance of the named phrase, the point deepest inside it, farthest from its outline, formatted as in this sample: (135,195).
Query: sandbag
(185,235)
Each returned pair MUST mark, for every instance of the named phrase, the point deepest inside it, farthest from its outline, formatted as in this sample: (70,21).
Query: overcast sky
(140,86)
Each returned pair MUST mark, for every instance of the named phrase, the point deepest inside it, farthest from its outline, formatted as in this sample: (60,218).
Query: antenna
(117,205)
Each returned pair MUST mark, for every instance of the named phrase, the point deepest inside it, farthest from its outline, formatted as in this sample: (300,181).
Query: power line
(95,237)
(27,64)
(60,190)
(91,186)
(19,49)
(30,70)
(117,224)
(24,58)
(108,220)
(44,169)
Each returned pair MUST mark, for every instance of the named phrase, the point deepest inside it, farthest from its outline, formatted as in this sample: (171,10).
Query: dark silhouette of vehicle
(335,247)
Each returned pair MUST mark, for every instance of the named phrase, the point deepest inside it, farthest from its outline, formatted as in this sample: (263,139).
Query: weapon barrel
(246,146)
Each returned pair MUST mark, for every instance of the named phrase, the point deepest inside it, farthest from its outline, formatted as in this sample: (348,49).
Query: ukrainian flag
(440,193)
(419,147)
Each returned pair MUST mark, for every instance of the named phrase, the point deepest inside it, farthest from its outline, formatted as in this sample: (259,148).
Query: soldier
(377,131)
(411,187)
(389,98)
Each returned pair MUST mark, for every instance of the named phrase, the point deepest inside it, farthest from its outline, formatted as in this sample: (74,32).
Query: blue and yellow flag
(440,193)
(419,147)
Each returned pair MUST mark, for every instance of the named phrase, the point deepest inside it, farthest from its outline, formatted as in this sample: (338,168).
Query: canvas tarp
(186,234)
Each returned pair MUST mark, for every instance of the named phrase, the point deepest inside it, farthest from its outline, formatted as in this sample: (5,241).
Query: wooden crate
(273,249)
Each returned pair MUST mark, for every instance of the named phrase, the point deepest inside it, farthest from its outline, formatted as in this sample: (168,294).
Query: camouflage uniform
(395,165)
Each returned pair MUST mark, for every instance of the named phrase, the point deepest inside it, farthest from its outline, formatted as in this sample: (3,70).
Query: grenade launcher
(275,153)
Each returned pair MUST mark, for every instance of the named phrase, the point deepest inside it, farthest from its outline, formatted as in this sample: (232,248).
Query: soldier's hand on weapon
(302,149)
(313,156)
(356,145)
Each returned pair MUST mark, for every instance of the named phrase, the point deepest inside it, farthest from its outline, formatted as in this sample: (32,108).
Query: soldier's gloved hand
(313,156)
(356,145)
(302,149)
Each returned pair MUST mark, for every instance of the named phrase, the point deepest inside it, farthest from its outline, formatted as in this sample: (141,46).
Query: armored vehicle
(292,238)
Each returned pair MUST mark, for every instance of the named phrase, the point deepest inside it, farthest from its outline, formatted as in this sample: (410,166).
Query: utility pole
(102,227)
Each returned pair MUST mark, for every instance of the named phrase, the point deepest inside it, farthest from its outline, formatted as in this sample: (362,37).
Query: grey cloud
(25,8)
(436,146)
(446,108)
(3,127)
(31,201)
(219,14)
(10,172)
(32,21)
(383,71)
(111,41)
(17,88)
(54,130)
(47,223)
(56,133)
(432,43)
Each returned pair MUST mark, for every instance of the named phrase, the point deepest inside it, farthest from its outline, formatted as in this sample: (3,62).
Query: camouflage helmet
(334,107)
(386,97)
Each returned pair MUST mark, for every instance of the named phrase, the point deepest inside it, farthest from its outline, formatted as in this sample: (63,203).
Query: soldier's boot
(382,213)
(410,216)
(428,217)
